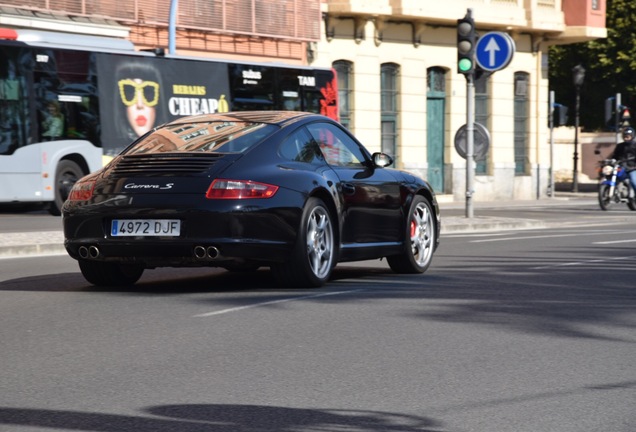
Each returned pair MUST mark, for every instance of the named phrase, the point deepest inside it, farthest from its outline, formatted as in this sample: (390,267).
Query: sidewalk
(52,242)
(480,223)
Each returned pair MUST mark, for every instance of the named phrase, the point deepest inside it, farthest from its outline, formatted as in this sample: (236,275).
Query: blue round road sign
(494,51)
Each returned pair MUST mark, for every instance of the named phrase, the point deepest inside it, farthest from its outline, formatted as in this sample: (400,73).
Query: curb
(32,250)
(32,243)
(452,225)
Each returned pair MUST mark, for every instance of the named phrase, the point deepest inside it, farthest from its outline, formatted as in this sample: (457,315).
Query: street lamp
(578,75)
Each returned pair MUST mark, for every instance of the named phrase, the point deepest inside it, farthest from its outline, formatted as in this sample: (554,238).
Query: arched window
(344,71)
(522,84)
(389,73)
(436,81)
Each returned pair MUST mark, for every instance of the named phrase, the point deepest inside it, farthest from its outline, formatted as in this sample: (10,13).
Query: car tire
(314,254)
(109,273)
(66,174)
(419,243)
(604,200)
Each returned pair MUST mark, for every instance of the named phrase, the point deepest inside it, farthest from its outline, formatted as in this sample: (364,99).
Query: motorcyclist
(625,153)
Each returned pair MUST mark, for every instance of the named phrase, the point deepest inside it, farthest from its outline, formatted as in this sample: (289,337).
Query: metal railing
(288,19)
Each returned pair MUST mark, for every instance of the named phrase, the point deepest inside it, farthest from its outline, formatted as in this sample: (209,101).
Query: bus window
(14,101)
(67,103)
(252,88)
(289,90)
(312,101)
(53,122)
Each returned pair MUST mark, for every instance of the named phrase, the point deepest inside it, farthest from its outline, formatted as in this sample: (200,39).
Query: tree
(610,66)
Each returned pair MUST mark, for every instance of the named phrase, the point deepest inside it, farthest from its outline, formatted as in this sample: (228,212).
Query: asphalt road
(27,219)
(526,330)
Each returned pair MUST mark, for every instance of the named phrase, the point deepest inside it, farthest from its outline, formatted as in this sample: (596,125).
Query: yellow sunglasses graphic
(129,90)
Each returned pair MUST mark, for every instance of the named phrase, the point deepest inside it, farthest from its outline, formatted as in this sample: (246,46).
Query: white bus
(68,103)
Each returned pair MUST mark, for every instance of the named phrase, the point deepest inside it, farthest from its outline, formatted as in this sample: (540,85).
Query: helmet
(628,133)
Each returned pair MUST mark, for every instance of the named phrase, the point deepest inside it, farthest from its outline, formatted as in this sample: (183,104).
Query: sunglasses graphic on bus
(131,91)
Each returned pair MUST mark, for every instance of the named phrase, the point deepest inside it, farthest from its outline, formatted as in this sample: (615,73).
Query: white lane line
(508,232)
(614,241)
(523,238)
(255,305)
(483,234)
(575,263)
(553,236)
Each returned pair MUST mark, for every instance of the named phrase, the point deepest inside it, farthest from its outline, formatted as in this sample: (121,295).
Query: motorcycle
(614,185)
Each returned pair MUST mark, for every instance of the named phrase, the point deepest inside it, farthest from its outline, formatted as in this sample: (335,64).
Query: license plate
(145,227)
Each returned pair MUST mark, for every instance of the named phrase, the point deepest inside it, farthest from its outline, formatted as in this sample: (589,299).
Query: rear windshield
(211,137)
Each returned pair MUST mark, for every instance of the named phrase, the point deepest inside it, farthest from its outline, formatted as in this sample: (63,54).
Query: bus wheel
(66,174)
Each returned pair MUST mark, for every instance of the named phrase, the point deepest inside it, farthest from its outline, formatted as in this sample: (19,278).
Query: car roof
(271,117)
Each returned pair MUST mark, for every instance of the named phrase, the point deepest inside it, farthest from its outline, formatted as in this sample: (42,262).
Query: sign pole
(470,143)
(617,121)
(551,122)
(491,52)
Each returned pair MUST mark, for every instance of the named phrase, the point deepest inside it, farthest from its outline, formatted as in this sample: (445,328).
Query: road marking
(255,305)
(552,236)
(614,241)
(575,263)
(508,232)
(482,234)
(523,238)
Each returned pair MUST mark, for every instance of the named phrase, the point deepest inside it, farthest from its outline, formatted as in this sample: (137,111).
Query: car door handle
(348,189)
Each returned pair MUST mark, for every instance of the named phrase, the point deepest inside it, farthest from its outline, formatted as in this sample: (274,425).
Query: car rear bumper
(264,231)
(177,253)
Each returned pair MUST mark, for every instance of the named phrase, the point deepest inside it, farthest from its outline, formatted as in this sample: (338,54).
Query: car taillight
(239,189)
(82,191)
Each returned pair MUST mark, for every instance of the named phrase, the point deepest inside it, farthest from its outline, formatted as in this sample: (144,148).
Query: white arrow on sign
(491,48)
(494,51)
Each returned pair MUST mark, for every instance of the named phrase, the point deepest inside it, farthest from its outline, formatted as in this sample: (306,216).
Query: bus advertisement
(66,109)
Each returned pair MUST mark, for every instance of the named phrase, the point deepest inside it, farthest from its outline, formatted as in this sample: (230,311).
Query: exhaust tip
(93,252)
(199,252)
(213,252)
(83,252)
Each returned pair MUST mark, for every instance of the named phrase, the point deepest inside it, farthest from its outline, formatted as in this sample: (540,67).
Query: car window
(336,146)
(211,137)
(300,147)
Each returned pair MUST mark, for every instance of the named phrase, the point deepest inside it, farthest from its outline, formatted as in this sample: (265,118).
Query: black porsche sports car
(292,191)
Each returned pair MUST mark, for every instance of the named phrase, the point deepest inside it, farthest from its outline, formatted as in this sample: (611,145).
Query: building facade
(396,62)
(400,90)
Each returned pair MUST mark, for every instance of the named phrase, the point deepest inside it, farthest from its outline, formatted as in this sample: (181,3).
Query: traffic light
(616,114)
(625,115)
(560,115)
(609,112)
(466,40)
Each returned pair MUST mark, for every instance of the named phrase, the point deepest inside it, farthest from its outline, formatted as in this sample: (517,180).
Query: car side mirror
(381,159)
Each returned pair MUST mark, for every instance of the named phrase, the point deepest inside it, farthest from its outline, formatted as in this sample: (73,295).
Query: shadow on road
(220,418)
(518,295)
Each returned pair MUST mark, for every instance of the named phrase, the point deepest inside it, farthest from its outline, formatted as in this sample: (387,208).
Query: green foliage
(610,67)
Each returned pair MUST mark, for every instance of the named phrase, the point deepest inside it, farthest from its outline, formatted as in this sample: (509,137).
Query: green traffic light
(465,65)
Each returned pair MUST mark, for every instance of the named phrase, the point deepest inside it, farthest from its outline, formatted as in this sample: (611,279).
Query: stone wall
(588,145)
